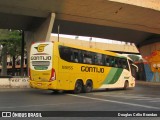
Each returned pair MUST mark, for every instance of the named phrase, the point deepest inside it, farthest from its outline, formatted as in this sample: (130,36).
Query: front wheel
(78,87)
(126,85)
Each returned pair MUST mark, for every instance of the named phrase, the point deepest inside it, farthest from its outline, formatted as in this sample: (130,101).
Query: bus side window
(80,60)
(76,59)
(75,55)
(98,59)
(106,60)
(125,64)
(111,61)
(120,63)
(65,53)
(87,57)
(116,62)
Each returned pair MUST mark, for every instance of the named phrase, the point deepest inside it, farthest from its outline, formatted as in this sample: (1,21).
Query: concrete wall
(98,45)
(151,76)
(41,33)
(14,82)
(4,83)
(146,50)
(152,4)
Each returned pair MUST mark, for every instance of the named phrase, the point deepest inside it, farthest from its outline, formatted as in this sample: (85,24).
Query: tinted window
(125,64)
(65,53)
(75,55)
(106,59)
(98,59)
(87,57)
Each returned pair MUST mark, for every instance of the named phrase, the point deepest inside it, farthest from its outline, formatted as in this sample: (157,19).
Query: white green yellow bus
(59,66)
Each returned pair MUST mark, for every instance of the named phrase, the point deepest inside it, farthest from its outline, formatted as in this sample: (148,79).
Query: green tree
(14,47)
(11,43)
(3,41)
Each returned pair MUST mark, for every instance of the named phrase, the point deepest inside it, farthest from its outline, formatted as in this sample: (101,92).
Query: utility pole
(22,54)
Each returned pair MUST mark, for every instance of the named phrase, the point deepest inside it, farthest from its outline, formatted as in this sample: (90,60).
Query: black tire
(126,85)
(58,91)
(88,87)
(78,87)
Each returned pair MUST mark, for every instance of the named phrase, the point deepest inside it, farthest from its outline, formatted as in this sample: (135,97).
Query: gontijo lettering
(41,57)
(92,69)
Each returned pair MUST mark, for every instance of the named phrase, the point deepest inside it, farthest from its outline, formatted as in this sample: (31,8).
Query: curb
(145,83)
(13,89)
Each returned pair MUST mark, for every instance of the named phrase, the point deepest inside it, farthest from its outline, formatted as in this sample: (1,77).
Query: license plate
(39,84)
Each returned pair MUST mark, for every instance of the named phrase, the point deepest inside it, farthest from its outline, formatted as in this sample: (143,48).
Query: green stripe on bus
(110,76)
(116,76)
(113,76)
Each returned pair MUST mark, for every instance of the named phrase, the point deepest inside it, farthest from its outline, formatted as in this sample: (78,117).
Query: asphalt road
(141,98)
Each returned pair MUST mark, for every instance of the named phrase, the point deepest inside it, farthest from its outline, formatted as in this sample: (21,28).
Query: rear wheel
(78,87)
(58,91)
(126,85)
(88,87)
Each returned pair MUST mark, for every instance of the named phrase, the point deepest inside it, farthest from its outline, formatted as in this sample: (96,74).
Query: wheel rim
(89,87)
(78,87)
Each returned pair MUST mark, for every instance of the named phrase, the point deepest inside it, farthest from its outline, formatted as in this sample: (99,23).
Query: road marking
(126,97)
(157,101)
(42,105)
(147,99)
(118,102)
(137,97)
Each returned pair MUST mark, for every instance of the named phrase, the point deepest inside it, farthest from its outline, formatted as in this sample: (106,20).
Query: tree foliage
(10,40)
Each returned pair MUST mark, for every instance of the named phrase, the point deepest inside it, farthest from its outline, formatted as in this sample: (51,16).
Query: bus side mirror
(135,66)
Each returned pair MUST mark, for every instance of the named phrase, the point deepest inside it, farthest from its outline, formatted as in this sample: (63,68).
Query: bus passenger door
(134,70)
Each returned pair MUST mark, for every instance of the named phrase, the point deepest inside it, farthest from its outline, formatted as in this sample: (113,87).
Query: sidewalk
(153,84)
